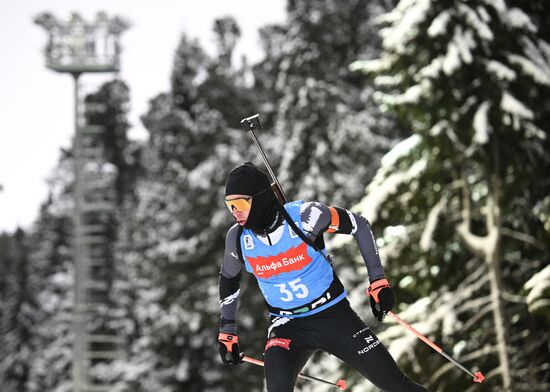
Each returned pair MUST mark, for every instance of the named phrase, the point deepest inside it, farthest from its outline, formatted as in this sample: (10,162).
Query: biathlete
(283,247)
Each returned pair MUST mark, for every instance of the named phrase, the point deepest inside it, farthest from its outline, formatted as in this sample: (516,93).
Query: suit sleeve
(229,283)
(318,218)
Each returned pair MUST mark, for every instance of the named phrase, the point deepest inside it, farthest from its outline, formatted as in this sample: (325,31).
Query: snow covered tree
(112,175)
(16,307)
(108,108)
(272,39)
(463,200)
(40,287)
(327,135)
(50,284)
(173,237)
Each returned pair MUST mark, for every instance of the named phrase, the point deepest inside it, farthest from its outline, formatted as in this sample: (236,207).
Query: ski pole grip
(375,288)
(228,340)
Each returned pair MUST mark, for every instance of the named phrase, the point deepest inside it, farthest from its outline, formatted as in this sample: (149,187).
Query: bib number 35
(297,289)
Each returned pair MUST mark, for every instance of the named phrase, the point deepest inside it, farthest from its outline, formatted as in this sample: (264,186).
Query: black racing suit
(337,329)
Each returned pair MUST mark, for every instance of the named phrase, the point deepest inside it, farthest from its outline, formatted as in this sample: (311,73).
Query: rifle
(250,124)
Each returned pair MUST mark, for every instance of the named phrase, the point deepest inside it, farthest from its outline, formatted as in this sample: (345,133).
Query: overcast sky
(36,104)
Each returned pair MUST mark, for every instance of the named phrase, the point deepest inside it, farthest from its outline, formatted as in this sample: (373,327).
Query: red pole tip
(342,384)
(478,377)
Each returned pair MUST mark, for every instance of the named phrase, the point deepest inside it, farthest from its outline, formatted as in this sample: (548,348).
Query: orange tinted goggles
(242,204)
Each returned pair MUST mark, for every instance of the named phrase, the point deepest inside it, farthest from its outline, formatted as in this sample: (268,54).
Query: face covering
(264,215)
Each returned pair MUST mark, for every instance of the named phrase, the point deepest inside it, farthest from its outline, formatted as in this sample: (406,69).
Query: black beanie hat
(246,179)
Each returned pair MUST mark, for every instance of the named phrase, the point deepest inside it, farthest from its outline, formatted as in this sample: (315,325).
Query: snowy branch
(509,297)
(523,237)
(431,225)
(537,287)
(478,316)
(481,246)
(475,243)
(475,304)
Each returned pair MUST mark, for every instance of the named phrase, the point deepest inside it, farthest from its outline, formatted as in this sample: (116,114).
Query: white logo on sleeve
(248,242)
(314,215)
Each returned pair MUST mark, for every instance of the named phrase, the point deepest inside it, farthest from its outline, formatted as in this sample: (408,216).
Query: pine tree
(50,269)
(50,285)
(323,133)
(328,138)
(15,311)
(108,108)
(174,239)
(462,199)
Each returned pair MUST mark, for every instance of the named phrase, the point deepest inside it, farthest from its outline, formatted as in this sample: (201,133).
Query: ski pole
(478,376)
(341,384)
(249,124)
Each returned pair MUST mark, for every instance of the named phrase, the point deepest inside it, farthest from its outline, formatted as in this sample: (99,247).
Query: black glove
(229,349)
(382,299)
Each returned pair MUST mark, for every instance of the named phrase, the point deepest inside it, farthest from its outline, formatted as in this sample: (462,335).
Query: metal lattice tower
(77,47)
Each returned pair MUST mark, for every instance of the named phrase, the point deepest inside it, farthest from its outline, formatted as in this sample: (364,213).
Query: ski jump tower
(77,47)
